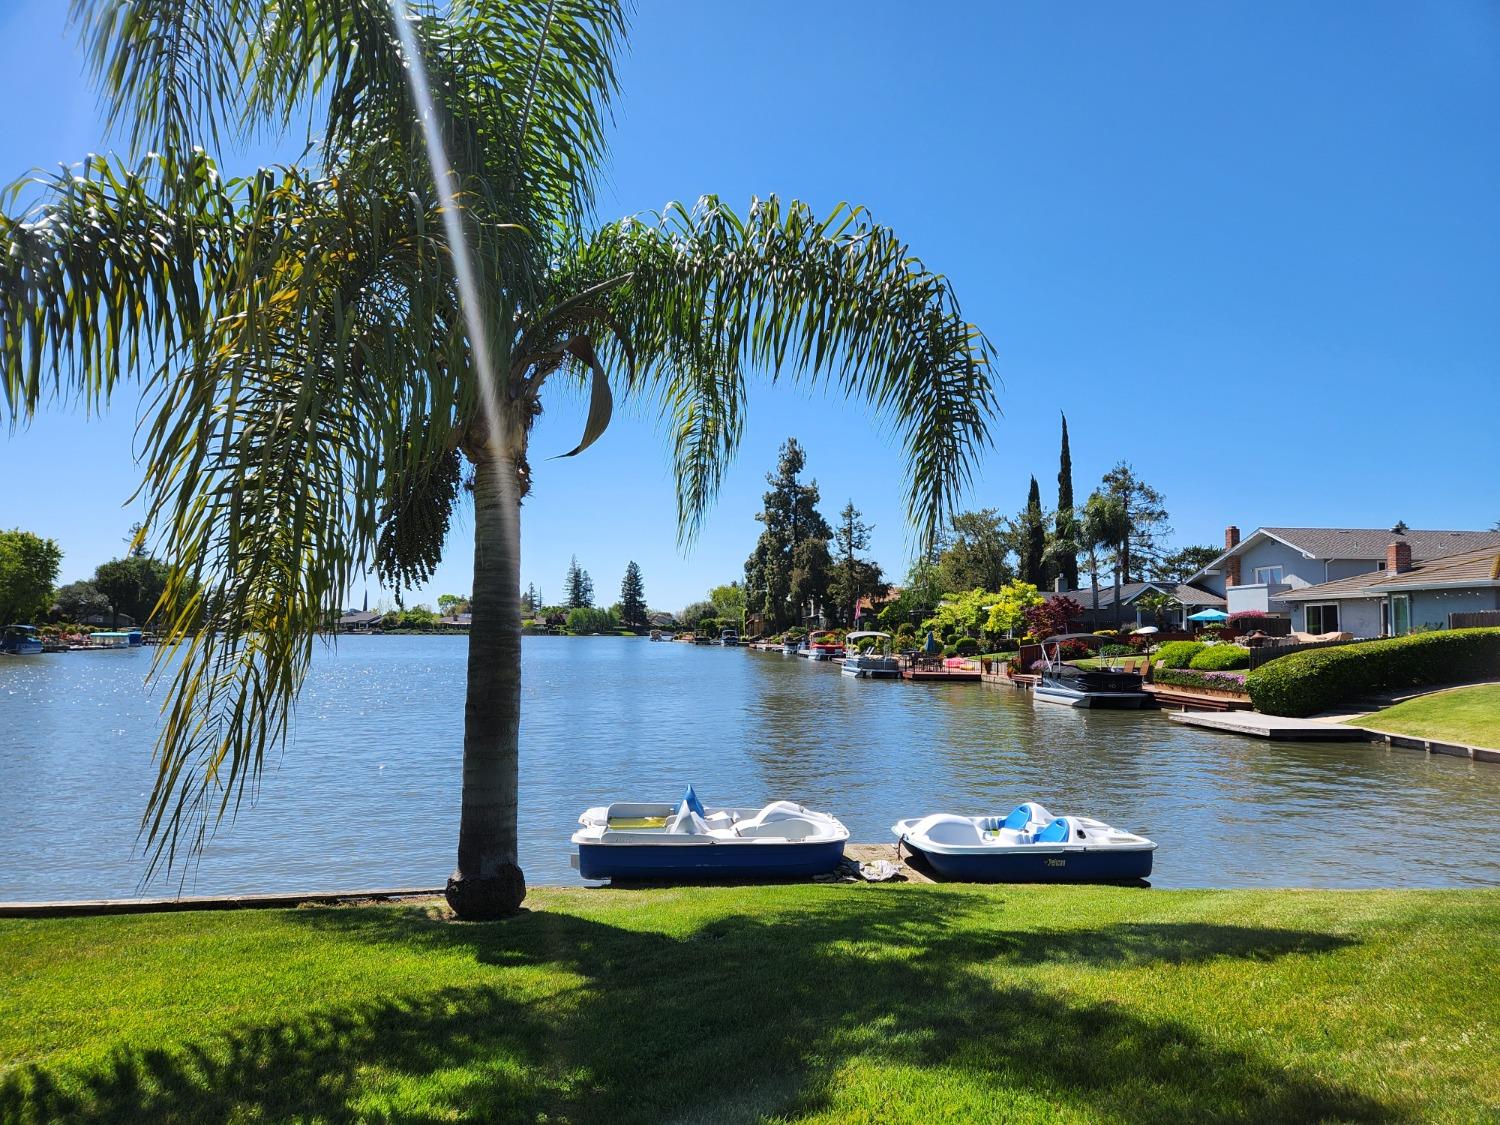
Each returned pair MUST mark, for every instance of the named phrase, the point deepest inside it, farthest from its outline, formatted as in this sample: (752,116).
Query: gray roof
(1370,543)
(360,617)
(1129,591)
(1467,569)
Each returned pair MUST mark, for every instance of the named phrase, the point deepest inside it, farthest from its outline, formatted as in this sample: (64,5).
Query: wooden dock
(1256,725)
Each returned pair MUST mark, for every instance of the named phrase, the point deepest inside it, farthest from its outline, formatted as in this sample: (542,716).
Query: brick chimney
(1232,564)
(1398,557)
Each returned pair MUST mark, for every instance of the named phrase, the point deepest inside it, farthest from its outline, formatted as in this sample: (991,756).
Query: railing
(1480,619)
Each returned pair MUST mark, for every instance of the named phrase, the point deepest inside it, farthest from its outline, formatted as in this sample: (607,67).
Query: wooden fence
(1482,619)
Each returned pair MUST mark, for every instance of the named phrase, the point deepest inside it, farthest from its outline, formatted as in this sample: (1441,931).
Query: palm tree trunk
(488,882)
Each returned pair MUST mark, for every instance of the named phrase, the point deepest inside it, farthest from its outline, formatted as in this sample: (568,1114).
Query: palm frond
(838,300)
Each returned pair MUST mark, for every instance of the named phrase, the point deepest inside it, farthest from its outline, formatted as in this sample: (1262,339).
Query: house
(456,621)
(1258,571)
(1134,605)
(1404,595)
(359,621)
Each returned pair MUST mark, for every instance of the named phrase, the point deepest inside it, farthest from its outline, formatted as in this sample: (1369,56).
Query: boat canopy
(867,633)
(1062,637)
(113,636)
(20,629)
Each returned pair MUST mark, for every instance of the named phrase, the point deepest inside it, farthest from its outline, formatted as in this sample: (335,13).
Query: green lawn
(827,1003)
(1468,715)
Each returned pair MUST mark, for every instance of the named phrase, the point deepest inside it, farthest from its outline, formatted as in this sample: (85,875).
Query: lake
(366,794)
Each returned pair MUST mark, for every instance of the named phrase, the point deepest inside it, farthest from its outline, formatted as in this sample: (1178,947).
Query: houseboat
(1070,686)
(686,841)
(21,640)
(877,662)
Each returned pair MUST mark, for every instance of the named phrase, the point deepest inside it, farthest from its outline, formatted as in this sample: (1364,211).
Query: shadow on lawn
(745,1017)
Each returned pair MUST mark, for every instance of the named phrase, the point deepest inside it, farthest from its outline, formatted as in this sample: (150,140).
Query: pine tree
(579,585)
(784,572)
(1032,545)
(1067,518)
(1140,552)
(531,600)
(852,577)
(632,598)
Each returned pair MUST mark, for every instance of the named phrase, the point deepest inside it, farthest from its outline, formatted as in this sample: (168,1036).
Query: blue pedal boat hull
(708,861)
(1101,866)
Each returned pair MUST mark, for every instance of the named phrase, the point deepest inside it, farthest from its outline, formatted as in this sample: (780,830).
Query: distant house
(1403,595)
(869,605)
(456,621)
(1133,609)
(359,621)
(1260,570)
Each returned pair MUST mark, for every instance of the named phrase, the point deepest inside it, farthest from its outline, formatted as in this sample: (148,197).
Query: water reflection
(367,793)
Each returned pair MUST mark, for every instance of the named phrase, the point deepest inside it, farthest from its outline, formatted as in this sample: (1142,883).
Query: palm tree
(324,346)
(1105,524)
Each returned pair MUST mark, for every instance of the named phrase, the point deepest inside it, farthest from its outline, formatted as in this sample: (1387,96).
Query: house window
(1267,575)
(1323,618)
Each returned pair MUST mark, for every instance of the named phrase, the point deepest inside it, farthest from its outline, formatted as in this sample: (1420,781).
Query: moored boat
(110,641)
(822,646)
(686,841)
(729,638)
(21,640)
(1029,845)
(877,662)
(1071,686)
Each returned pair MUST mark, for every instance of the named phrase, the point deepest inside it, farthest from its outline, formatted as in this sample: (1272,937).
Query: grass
(823,1003)
(1469,715)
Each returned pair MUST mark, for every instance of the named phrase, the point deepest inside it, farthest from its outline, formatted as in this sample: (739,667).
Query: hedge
(1212,681)
(1177,654)
(1305,683)
(966,646)
(1220,658)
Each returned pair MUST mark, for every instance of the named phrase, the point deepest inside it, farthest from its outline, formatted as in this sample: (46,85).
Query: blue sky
(1251,248)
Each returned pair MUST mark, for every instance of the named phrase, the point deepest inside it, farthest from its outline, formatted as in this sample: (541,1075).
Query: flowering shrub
(1210,681)
(1246,617)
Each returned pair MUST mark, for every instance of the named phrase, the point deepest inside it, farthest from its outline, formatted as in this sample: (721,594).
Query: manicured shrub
(1220,658)
(1116,650)
(1178,654)
(966,646)
(1314,680)
(1212,681)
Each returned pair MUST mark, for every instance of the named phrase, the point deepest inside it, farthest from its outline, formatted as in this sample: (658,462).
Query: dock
(1256,725)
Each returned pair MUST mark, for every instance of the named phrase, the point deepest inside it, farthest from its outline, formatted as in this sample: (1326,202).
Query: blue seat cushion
(1018,818)
(1055,833)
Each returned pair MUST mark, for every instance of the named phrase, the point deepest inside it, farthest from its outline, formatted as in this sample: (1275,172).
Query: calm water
(367,792)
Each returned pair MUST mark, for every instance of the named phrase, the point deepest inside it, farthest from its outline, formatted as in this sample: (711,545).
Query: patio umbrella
(1209,615)
(931,645)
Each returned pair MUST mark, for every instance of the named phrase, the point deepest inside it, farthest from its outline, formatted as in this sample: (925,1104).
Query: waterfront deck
(1256,725)
(941,675)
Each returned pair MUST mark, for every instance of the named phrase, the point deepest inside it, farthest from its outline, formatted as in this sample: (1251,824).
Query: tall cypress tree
(579,585)
(1033,538)
(789,566)
(1067,519)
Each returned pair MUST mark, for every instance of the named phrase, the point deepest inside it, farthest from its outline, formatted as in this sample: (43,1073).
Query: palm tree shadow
(749,1016)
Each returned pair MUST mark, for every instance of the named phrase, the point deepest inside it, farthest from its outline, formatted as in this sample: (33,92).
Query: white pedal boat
(647,840)
(1029,845)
